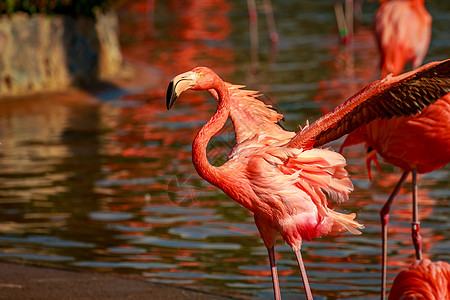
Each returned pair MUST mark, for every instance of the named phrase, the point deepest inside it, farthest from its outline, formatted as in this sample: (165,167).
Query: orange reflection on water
(352,67)
(196,34)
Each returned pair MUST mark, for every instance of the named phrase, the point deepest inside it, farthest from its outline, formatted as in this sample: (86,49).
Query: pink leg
(271,23)
(254,41)
(340,19)
(268,234)
(417,239)
(349,17)
(303,274)
(273,270)
(384,215)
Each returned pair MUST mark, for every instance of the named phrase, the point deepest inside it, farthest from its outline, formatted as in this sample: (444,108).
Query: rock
(48,53)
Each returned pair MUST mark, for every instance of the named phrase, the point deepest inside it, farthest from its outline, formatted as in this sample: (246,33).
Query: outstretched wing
(402,95)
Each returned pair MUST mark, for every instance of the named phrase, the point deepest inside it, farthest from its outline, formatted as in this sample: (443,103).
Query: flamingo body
(421,142)
(423,280)
(417,144)
(278,175)
(284,188)
(403,32)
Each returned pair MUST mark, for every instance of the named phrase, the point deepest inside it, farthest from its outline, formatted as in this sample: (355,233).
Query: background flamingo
(344,20)
(422,280)
(278,175)
(253,29)
(403,32)
(415,144)
(418,144)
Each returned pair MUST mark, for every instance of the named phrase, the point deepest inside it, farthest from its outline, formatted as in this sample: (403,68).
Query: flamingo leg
(415,225)
(253,24)
(273,270)
(349,17)
(384,215)
(271,23)
(298,254)
(268,235)
(340,19)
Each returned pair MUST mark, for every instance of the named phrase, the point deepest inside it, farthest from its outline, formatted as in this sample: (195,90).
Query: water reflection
(110,185)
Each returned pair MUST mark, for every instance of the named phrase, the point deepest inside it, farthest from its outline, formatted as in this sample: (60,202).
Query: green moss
(50,7)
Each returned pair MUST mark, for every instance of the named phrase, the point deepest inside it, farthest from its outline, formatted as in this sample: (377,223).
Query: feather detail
(251,116)
(403,95)
(344,223)
(324,169)
(427,134)
(423,280)
(317,172)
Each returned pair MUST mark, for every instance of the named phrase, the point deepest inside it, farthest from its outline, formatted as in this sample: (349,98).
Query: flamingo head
(198,79)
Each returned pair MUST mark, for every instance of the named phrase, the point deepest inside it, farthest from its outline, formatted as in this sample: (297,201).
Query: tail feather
(344,223)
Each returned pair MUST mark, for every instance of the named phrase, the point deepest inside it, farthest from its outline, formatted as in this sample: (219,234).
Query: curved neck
(207,171)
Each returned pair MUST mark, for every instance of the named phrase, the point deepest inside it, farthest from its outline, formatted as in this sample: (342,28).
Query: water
(109,185)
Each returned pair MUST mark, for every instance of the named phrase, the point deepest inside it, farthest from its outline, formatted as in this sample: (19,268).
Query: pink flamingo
(253,29)
(424,279)
(403,32)
(344,20)
(417,144)
(278,175)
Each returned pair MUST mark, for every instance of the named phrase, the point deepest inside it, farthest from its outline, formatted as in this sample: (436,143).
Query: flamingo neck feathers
(211,173)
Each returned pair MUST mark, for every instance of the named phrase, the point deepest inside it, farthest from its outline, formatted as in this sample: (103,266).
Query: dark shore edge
(25,281)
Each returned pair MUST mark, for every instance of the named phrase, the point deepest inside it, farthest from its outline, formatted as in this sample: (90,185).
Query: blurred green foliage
(67,7)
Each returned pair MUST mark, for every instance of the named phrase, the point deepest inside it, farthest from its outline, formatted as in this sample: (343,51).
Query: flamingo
(403,32)
(418,144)
(280,176)
(344,20)
(253,29)
(424,279)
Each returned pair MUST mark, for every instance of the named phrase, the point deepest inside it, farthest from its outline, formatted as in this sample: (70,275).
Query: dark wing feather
(403,95)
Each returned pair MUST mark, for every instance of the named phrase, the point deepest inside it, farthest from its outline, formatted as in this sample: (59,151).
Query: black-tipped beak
(171,96)
(178,85)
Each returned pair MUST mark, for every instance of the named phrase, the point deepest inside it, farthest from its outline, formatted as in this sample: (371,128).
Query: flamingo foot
(415,225)
(417,239)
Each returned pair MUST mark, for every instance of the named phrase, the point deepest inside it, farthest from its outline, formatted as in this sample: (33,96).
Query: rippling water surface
(109,185)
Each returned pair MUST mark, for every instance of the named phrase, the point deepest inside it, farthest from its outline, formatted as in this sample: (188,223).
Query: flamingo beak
(178,85)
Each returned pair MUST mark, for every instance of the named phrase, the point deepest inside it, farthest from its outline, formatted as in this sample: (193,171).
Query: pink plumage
(418,144)
(403,32)
(424,279)
(277,174)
